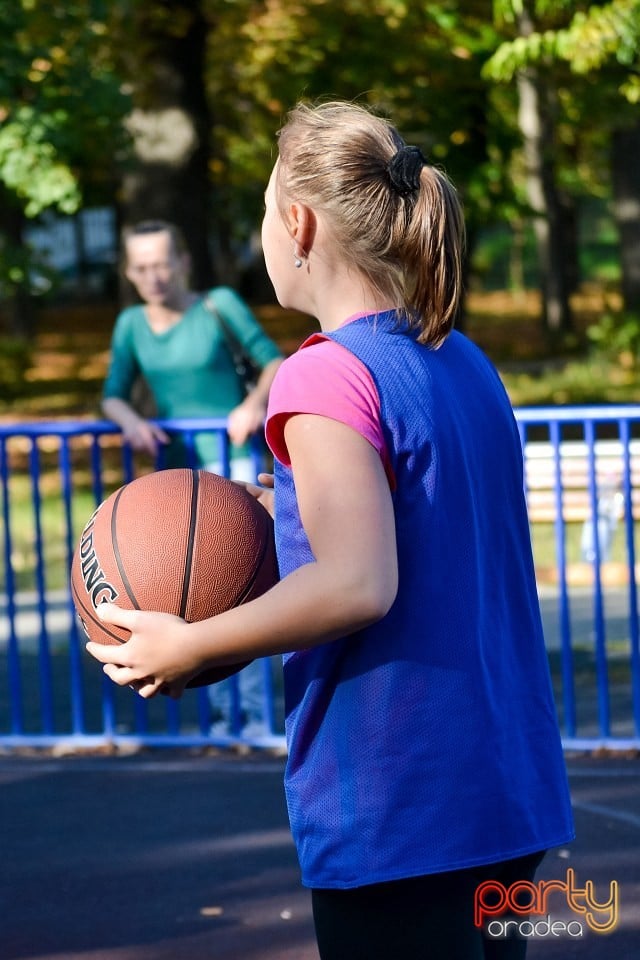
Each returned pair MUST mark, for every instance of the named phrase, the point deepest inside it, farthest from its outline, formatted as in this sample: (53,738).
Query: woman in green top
(178,341)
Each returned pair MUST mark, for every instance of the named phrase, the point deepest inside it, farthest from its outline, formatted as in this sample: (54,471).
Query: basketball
(179,541)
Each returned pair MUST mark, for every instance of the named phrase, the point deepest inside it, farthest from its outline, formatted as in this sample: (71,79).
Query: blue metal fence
(52,477)
(582,467)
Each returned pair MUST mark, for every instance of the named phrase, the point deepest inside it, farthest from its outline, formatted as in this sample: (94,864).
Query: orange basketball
(181,541)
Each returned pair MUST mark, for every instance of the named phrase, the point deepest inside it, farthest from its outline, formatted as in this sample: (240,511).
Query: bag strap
(241,359)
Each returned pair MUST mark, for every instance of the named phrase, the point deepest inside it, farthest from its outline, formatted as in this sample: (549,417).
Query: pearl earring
(297,262)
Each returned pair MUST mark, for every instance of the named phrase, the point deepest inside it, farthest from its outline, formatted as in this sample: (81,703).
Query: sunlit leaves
(60,103)
(31,166)
(591,39)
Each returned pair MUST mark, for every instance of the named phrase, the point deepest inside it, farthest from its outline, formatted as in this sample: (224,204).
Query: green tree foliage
(419,62)
(588,57)
(30,165)
(60,112)
(60,103)
(597,37)
(75,76)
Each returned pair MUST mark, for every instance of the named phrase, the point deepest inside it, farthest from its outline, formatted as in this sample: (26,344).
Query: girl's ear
(302,225)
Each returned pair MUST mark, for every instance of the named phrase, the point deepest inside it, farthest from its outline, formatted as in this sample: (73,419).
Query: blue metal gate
(582,467)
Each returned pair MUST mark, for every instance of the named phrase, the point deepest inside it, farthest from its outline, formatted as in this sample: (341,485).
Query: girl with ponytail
(424,756)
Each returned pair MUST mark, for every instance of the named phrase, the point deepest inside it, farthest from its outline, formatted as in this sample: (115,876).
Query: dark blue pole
(75,661)
(13,652)
(44,650)
(568,676)
(602,675)
(634,630)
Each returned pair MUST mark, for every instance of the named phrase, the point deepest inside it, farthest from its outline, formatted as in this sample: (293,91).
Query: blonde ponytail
(394,216)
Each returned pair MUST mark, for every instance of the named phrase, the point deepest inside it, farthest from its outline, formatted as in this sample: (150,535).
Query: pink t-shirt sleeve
(326,379)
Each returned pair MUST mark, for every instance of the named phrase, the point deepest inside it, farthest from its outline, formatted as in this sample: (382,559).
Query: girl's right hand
(157,658)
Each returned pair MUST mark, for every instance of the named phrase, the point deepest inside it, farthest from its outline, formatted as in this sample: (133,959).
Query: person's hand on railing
(145,436)
(140,434)
(246,419)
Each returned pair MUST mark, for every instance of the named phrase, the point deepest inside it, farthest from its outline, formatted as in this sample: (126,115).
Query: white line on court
(611,814)
(606,772)
(128,765)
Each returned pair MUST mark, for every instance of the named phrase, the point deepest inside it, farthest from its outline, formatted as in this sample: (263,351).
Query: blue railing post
(629,529)
(108,708)
(97,485)
(566,649)
(44,651)
(602,673)
(14,678)
(75,662)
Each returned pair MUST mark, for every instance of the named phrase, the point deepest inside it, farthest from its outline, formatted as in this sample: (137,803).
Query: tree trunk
(19,307)
(170,124)
(625,164)
(535,119)
(537,129)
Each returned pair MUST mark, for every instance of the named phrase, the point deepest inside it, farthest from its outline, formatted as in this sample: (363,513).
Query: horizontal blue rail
(582,468)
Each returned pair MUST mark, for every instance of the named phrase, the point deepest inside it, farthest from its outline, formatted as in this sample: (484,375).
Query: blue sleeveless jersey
(429,742)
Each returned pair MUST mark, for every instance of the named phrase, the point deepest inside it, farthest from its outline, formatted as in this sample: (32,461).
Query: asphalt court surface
(187,856)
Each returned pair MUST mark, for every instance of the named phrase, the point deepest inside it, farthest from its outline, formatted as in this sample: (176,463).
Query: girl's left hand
(156,657)
(263,494)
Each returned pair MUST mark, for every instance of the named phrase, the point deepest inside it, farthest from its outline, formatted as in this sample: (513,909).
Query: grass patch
(48,529)
(543,540)
(592,380)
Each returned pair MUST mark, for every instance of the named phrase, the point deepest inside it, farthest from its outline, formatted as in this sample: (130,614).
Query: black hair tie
(404,170)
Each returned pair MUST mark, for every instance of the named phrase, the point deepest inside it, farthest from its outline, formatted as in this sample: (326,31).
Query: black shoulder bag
(247,370)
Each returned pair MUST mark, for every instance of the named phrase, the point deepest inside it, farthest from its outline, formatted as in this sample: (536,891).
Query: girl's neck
(333,314)
(332,289)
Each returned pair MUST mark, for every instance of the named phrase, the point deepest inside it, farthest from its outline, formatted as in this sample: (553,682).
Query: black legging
(422,918)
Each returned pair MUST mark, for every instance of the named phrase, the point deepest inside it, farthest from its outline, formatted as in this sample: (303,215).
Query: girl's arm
(347,512)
